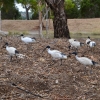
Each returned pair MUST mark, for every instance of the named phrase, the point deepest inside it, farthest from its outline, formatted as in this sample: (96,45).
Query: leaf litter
(32,76)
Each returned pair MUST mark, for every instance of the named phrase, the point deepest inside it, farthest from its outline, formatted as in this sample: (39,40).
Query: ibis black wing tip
(16,52)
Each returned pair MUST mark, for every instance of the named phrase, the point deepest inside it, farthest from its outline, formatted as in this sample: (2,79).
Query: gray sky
(20,7)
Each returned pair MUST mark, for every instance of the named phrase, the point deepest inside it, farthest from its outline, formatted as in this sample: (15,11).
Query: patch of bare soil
(75,25)
(33,78)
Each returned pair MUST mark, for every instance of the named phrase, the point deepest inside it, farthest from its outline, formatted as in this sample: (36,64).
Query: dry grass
(75,25)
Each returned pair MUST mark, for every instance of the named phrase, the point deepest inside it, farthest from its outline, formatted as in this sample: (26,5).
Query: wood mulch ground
(33,78)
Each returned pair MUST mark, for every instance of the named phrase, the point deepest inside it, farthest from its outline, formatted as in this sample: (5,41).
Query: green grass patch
(18,33)
(50,34)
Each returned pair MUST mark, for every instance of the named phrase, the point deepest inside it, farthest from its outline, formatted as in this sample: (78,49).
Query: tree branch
(50,3)
(13,84)
(45,14)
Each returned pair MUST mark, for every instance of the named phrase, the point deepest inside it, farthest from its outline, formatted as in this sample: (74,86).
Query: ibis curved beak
(43,50)
(3,46)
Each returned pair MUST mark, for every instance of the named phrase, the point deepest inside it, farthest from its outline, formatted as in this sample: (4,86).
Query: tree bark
(40,20)
(60,19)
(0,19)
(27,14)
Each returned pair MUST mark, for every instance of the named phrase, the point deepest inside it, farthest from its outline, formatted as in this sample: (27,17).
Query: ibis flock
(58,55)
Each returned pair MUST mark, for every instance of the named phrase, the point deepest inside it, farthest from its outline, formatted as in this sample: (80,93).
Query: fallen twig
(27,91)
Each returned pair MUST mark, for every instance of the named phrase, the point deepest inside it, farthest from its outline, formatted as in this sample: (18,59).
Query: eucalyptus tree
(28,4)
(43,14)
(60,19)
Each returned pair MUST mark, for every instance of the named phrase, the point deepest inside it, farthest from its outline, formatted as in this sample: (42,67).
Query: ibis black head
(75,53)
(21,35)
(48,47)
(88,37)
(34,38)
(6,44)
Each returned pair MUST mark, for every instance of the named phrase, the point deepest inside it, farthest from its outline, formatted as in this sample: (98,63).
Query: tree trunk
(40,20)
(27,14)
(47,24)
(60,19)
(0,19)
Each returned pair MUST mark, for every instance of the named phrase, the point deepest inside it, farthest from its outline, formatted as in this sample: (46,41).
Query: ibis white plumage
(11,50)
(90,43)
(88,40)
(84,60)
(75,44)
(56,54)
(27,39)
(71,40)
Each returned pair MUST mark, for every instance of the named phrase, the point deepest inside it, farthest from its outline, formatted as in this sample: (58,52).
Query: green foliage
(40,7)
(90,8)
(35,15)
(7,3)
(11,13)
(35,9)
(8,9)
(17,33)
(31,3)
(69,4)
(71,9)
(28,5)
(51,15)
